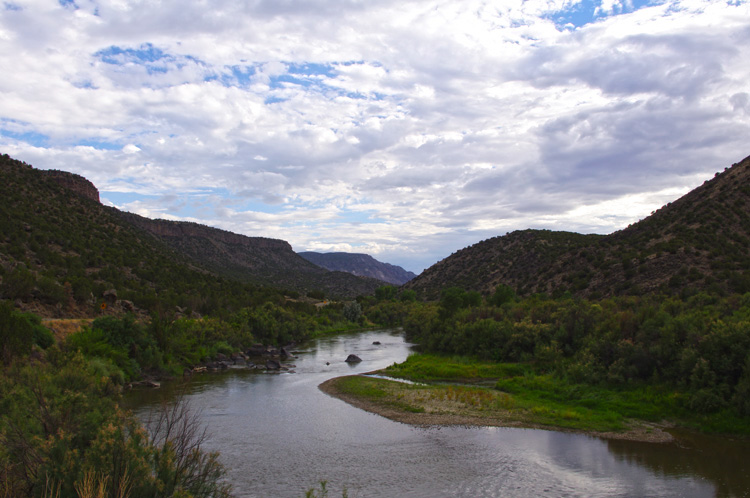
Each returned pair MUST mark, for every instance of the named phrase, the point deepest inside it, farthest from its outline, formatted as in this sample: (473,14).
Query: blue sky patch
(154,59)
(313,69)
(145,53)
(98,144)
(29,137)
(273,100)
(585,12)
(235,76)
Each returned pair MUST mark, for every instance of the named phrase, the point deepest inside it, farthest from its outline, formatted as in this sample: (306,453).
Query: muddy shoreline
(641,431)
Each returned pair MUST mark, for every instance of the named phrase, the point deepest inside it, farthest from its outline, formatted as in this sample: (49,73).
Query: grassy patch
(434,368)
(361,387)
(379,391)
(515,392)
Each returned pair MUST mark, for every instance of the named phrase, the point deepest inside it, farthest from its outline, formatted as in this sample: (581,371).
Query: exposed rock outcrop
(74,182)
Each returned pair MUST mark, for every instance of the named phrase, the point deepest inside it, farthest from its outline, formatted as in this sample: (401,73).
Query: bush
(18,284)
(62,430)
(352,311)
(16,333)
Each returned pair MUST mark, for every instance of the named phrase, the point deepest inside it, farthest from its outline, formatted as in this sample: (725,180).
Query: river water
(279,435)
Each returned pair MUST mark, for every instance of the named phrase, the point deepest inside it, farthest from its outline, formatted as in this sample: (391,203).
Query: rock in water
(273,365)
(353,358)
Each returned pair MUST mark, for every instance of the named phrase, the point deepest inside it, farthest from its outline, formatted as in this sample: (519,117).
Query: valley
(642,335)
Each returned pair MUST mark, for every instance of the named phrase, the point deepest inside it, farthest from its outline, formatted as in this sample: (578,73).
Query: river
(279,435)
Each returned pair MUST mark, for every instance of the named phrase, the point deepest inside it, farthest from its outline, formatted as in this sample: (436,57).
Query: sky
(404,129)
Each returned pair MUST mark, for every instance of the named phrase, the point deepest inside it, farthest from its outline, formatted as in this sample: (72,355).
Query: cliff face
(76,183)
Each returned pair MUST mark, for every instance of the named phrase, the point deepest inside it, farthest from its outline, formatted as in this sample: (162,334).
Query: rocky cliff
(74,182)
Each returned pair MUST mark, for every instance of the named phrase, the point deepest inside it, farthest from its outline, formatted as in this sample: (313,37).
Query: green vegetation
(649,357)
(546,399)
(61,251)
(62,433)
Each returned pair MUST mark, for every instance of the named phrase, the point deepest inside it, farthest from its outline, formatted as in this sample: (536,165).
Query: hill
(260,260)
(696,243)
(362,265)
(61,251)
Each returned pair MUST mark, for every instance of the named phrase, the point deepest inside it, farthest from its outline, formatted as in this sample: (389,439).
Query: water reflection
(279,435)
(722,461)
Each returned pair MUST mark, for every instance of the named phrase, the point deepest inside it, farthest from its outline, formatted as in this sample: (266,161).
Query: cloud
(404,129)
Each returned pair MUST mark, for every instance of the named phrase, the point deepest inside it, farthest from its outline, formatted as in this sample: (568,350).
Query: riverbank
(447,405)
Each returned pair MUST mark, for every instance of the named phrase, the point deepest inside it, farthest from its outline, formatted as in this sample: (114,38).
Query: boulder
(110,296)
(376,343)
(273,365)
(256,350)
(353,358)
(285,353)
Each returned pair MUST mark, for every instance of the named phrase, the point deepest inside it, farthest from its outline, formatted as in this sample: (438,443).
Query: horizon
(402,131)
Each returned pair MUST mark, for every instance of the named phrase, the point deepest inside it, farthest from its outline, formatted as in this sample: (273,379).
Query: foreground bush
(63,435)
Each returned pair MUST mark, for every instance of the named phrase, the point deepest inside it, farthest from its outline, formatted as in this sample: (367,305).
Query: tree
(385,293)
(503,294)
(451,300)
(352,311)
(408,296)
(16,333)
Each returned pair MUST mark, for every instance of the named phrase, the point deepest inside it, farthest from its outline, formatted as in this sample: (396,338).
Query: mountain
(697,243)
(362,265)
(61,251)
(258,260)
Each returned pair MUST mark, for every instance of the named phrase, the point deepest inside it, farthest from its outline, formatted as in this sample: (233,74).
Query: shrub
(352,311)
(16,333)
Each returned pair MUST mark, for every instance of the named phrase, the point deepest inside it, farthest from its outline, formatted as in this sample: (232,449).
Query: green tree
(16,333)
(352,311)
(451,300)
(385,293)
(408,296)
(503,294)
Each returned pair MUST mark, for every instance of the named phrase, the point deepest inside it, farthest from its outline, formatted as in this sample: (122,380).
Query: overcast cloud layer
(403,129)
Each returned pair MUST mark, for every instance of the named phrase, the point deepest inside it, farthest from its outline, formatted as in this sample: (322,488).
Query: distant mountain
(359,264)
(699,242)
(60,250)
